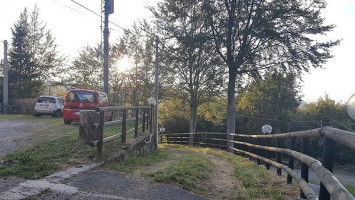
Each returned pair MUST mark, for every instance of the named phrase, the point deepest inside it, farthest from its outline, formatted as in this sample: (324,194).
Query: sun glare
(123,65)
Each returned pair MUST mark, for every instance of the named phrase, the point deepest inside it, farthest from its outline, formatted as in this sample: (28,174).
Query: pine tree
(33,56)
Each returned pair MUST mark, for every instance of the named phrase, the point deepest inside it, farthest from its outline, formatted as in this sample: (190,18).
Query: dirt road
(16,134)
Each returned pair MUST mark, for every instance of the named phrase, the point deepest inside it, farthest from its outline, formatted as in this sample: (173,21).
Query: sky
(74,28)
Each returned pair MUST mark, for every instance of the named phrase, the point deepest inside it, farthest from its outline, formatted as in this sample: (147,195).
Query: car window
(88,97)
(46,100)
(103,98)
(60,101)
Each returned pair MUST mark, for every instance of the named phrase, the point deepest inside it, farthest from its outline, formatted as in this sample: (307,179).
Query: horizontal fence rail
(92,124)
(244,144)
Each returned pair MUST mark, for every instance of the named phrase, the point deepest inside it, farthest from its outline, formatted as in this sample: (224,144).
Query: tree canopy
(33,56)
(255,35)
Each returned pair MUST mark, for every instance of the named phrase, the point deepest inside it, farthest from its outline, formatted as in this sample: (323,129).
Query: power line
(97,14)
(67,6)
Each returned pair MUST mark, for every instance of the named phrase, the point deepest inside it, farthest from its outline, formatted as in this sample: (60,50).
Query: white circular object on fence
(266,129)
(350,107)
(152,101)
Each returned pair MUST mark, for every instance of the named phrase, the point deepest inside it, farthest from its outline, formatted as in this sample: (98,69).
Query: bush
(22,106)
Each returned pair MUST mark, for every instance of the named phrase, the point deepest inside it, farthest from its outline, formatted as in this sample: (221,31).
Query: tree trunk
(193,116)
(231,111)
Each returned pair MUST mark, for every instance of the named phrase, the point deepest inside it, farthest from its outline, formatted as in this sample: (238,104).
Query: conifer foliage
(33,54)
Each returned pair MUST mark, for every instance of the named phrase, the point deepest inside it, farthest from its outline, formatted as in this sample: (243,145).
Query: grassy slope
(192,169)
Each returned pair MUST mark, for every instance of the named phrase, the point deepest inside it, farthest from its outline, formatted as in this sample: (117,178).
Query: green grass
(257,182)
(351,189)
(57,147)
(136,164)
(187,171)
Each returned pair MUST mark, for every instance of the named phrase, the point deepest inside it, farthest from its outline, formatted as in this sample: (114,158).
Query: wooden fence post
(291,160)
(86,132)
(259,151)
(327,162)
(304,169)
(124,126)
(100,143)
(278,155)
(136,124)
(268,143)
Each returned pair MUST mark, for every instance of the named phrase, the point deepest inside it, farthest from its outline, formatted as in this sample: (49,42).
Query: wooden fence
(260,148)
(92,124)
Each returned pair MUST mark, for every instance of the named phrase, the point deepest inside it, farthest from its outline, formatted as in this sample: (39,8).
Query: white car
(48,105)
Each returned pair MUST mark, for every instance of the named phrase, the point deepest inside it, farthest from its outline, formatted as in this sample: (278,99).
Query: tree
(273,97)
(255,35)
(191,61)
(138,43)
(33,56)
(87,68)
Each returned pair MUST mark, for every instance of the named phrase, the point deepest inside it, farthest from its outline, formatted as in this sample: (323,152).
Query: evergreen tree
(33,56)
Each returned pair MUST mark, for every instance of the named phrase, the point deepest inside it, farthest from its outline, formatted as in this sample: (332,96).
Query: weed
(351,189)
(134,164)
(187,171)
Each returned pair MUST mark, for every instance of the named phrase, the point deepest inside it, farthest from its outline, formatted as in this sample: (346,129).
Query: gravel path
(15,134)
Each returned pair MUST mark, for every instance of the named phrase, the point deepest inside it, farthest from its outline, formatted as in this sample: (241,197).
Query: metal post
(278,156)
(124,126)
(143,125)
(5,91)
(100,143)
(106,44)
(151,119)
(327,162)
(291,160)
(136,125)
(156,90)
(304,169)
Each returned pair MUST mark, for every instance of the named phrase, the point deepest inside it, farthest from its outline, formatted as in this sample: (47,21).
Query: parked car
(49,105)
(80,99)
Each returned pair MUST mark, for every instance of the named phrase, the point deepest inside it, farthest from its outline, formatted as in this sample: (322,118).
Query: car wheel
(59,113)
(67,121)
(55,114)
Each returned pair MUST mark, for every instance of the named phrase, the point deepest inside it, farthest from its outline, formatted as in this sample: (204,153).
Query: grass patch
(315,182)
(56,147)
(351,189)
(136,164)
(187,171)
(256,181)
(45,158)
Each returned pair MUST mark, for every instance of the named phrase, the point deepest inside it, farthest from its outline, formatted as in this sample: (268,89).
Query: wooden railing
(249,144)
(92,124)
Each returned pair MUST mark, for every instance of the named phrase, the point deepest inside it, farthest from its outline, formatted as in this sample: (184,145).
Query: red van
(80,99)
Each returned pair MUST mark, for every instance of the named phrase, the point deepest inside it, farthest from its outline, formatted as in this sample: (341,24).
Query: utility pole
(156,89)
(109,9)
(5,90)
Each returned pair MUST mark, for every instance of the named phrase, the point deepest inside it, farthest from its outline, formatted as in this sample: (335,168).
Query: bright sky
(74,27)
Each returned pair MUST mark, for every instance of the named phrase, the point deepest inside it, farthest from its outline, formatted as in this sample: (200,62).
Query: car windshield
(77,96)
(46,100)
